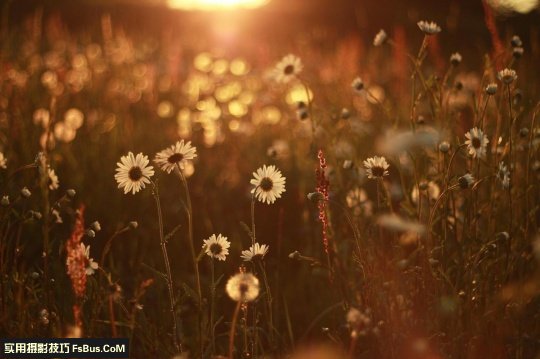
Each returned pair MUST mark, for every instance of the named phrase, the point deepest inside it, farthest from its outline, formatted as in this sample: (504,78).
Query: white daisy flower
(217,247)
(243,287)
(176,155)
(3,161)
(380,38)
(476,142)
(255,251)
(376,167)
(54,183)
(269,184)
(133,172)
(287,69)
(429,28)
(507,76)
(503,174)
(91,266)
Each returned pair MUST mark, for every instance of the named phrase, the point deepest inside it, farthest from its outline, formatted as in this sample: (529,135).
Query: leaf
(152,269)
(172,233)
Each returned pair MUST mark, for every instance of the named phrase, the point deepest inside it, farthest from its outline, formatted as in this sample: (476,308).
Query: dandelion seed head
(243,287)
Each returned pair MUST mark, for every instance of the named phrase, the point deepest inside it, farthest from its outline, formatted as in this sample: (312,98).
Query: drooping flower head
(376,167)
(133,172)
(217,247)
(429,28)
(476,142)
(256,251)
(176,155)
(243,287)
(287,69)
(269,184)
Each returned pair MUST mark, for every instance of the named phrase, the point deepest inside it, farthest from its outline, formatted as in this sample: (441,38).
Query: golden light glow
(215,4)
(299,93)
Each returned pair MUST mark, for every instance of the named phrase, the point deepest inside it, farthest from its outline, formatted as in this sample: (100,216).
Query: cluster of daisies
(134,172)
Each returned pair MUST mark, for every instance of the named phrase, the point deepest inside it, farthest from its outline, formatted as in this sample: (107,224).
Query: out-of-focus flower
(444,146)
(432,189)
(376,167)
(133,172)
(56,216)
(243,287)
(357,84)
(516,41)
(396,223)
(91,266)
(255,251)
(517,52)
(287,69)
(73,118)
(54,183)
(41,117)
(503,174)
(466,181)
(176,155)
(476,142)
(3,161)
(456,58)
(491,89)
(357,199)
(269,184)
(25,192)
(507,76)
(5,201)
(380,38)
(96,226)
(217,247)
(429,28)
(520,6)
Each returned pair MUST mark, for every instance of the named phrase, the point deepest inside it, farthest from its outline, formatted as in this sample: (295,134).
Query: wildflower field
(287,181)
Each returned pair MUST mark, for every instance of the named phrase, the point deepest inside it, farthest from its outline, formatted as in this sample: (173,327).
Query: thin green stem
(155,193)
